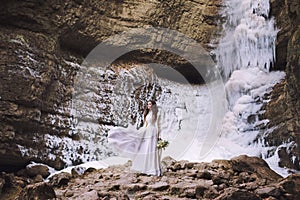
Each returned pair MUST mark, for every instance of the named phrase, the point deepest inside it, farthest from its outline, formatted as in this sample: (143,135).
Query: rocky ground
(240,178)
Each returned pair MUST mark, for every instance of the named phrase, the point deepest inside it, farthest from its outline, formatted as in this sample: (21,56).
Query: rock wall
(42,43)
(284,108)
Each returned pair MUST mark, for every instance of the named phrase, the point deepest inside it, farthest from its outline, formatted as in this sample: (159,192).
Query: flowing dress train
(139,145)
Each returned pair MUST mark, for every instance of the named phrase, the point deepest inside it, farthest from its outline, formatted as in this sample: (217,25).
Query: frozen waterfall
(244,55)
(249,36)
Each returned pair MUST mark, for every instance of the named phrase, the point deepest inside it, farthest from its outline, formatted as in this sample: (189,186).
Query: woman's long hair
(154,111)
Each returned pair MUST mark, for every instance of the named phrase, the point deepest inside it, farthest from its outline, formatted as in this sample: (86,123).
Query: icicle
(249,36)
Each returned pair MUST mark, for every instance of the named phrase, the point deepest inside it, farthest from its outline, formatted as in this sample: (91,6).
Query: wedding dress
(139,145)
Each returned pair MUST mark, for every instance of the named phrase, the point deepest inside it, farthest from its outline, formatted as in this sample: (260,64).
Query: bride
(140,145)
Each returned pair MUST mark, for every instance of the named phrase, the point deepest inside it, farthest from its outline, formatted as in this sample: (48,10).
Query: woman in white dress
(140,145)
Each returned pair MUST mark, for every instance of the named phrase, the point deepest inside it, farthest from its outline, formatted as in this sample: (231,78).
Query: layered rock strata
(42,46)
(283,110)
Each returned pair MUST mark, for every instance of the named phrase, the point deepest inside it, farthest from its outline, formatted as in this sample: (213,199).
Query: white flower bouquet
(162,144)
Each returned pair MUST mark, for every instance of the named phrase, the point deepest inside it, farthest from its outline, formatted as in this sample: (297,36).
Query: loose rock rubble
(240,178)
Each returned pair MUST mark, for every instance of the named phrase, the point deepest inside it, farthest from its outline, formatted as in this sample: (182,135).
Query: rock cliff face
(284,108)
(42,43)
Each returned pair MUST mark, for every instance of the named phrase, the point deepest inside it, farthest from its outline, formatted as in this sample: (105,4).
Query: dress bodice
(149,120)
(150,128)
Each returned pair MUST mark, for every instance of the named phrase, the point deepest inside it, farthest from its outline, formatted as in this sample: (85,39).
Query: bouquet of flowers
(162,144)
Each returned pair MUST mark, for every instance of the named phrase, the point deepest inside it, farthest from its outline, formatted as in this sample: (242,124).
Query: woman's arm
(158,126)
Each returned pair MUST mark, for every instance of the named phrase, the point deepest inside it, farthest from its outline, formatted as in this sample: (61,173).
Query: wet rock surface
(284,108)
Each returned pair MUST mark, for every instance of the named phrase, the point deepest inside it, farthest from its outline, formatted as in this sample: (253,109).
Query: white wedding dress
(139,145)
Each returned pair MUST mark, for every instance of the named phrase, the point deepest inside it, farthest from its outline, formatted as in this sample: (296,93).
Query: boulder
(246,163)
(37,169)
(38,191)
(60,179)
(268,192)
(236,194)
(90,195)
(291,185)
(159,186)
